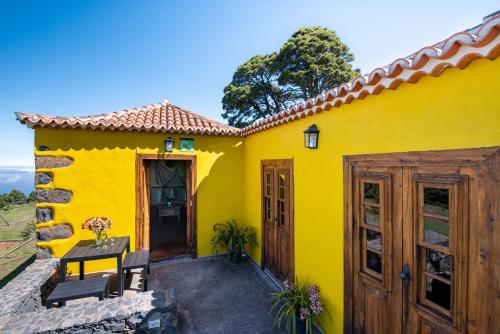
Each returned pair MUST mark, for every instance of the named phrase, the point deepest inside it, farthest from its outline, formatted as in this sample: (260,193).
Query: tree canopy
(15,197)
(313,60)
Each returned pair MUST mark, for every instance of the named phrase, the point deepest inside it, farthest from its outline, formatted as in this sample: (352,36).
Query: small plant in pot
(234,238)
(297,307)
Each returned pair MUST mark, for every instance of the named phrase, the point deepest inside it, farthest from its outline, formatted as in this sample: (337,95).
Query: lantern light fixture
(169,144)
(311,136)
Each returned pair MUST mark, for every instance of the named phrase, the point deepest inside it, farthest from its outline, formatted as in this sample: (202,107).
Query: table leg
(119,275)
(62,271)
(82,270)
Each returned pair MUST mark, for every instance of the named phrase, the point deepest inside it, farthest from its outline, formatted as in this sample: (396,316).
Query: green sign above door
(186,144)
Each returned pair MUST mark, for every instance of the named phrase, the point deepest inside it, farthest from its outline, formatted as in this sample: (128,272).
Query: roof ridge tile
(157,117)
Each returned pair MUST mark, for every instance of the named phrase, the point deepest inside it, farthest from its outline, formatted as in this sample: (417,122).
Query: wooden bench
(96,287)
(138,259)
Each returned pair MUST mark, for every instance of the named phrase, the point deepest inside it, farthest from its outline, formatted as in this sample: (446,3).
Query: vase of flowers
(298,307)
(98,225)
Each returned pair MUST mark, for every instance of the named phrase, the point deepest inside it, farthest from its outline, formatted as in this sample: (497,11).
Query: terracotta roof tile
(161,117)
(459,50)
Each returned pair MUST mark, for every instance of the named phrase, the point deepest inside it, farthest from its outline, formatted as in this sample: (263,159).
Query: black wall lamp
(169,144)
(311,136)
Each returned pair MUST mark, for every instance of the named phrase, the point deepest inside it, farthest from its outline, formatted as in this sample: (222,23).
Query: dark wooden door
(437,204)
(421,255)
(378,249)
(277,218)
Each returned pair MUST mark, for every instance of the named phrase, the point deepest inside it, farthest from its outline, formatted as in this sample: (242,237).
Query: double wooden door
(277,218)
(415,229)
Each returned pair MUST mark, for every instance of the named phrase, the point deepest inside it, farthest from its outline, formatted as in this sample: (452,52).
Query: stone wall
(47,195)
(142,312)
(26,291)
(53,196)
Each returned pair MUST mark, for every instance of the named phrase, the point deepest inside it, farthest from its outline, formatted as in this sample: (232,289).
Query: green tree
(312,60)
(32,197)
(254,92)
(16,197)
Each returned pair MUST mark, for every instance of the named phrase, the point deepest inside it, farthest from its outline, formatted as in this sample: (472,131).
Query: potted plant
(98,225)
(234,238)
(297,307)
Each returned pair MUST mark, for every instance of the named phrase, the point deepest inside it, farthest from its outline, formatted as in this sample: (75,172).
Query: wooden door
(277,218)
(420,249)
(439,202)
(377,249)
(142,219)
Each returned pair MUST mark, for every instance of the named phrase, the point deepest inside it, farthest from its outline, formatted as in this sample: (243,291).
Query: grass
(17,218)
(436,226)
(13,263)
(433,224)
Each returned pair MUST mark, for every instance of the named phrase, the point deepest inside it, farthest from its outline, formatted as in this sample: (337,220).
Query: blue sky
(90,57)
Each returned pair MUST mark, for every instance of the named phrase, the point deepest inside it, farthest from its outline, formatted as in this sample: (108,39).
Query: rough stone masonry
(143,312)
(25,292)
(53,196)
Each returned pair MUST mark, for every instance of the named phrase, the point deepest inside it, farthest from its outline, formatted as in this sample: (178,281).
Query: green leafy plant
(28,230)
(234,238)
(299,301)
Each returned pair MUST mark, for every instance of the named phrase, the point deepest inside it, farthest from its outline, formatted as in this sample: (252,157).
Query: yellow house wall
(459,109)
(102,178)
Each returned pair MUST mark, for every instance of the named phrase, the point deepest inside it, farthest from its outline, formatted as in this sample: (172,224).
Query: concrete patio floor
(217,297)
(212,296)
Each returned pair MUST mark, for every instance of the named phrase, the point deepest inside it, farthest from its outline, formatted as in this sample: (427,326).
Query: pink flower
(97,224)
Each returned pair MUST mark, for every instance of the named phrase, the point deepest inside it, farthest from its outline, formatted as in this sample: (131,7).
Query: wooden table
(171,212)
(86,250)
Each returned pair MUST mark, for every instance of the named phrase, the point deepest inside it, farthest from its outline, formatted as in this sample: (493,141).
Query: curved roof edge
(458,50)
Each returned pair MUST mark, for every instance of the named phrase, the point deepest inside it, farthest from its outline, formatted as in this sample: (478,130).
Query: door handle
(405,275)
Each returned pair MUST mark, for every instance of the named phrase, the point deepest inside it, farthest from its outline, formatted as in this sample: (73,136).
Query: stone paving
(23,294)
(130,313)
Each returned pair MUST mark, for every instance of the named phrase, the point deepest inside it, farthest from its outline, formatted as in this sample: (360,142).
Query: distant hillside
(17,177)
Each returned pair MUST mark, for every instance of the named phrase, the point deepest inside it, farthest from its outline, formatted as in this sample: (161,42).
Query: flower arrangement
(98,225)
(297,304)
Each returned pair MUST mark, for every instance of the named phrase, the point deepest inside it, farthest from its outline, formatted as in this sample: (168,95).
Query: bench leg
(145,280)
(149,270)
(49,306)
(61,304)
(82,270)
(101,296)
(119,275)
(128,273)
(62,271)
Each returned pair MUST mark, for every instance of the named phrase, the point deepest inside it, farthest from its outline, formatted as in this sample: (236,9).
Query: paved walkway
(217,297)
